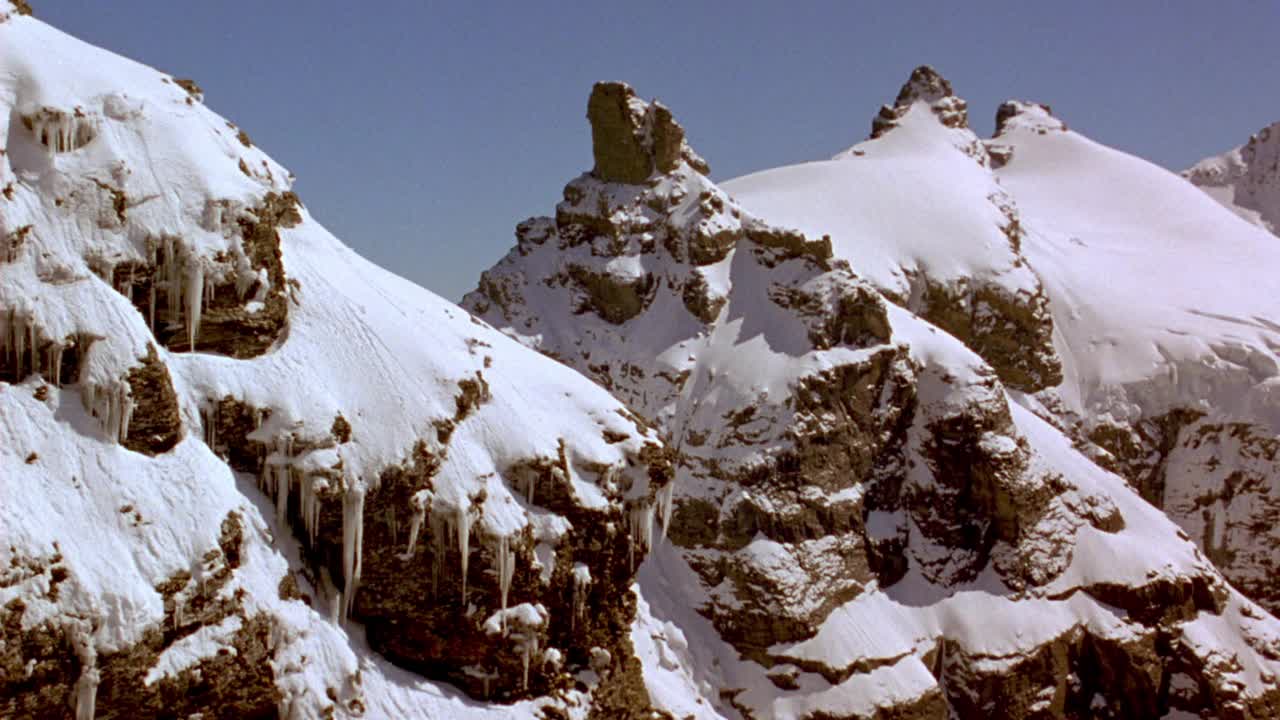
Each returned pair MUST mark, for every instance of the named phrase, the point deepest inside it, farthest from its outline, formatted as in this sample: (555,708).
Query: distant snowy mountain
(1246,179)
(866,523)
(240,465)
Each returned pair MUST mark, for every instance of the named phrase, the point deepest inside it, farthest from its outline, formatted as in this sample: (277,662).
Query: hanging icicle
(506,571)
(86,691)
(352,543)
(463,523)
(641,526)
(421,501)
(581,586)
(194,299)
(665,496)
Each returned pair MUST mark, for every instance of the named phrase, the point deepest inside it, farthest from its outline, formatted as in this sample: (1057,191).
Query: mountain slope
(1246,179)
(864,523)
(193,373)
(1162,301)
(1154,299)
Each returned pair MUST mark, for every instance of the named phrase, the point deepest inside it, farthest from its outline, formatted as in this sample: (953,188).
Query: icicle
(55,363)
(421,501)
(530,481)
(306,496)
(151,305)
(213,425)
(194,299)
(126,411)
(641,522)
(86,698)
(506,570)
(173,280)
(284,474)
(20,338)
(352,543)
(524,680)
(665,496)
(464,544)
(335,605)
(581,585)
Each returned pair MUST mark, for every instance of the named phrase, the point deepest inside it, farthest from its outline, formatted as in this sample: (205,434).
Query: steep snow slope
(864,525)
(177,336)
(1164,305)
(1246,179)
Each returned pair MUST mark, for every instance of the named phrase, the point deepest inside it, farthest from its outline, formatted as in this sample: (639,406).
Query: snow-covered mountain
(242,467)
(1162,329)
(1246,179)
(843,455)
(866,522)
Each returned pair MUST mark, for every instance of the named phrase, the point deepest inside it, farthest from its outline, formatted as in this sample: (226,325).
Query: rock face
(220,449)
(844,471)
(631,139)
(1246,180)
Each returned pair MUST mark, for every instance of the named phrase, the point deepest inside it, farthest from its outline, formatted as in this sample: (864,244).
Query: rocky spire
(632,139)
(927,86)
(1032,115)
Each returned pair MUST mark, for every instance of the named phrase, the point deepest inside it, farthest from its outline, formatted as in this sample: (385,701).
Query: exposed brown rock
(617,142)
(156,425)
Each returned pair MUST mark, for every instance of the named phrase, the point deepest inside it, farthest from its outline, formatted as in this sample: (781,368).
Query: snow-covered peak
(925,88)
(1033,116)
(1246,179)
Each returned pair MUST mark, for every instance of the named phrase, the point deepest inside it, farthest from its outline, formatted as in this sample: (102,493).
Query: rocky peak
(632,139)
(1246,179)
(924,86)
(1037,117)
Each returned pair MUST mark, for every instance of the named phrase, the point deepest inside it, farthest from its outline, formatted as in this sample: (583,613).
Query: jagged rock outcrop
(925,86)
(1246,180)
(631,139)
(840,462)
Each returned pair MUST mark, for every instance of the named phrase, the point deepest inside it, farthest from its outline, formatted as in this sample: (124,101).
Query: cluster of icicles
(183,275)
(19,337)
(28,352)
(60,131)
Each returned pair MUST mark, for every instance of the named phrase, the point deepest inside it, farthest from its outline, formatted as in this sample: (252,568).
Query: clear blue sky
(422,133)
